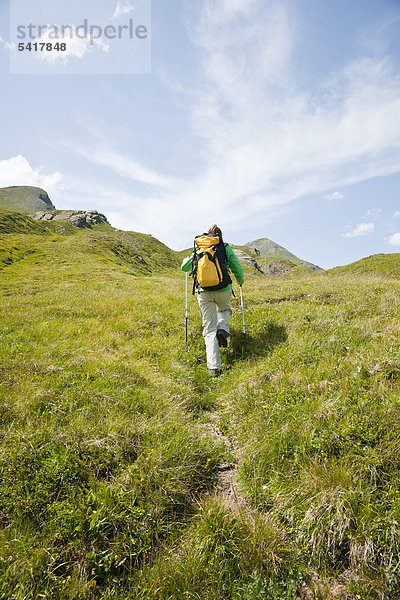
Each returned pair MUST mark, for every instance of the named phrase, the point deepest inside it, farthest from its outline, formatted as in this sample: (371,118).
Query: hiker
(214,301)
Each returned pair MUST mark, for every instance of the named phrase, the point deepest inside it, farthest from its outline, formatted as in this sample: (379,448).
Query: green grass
(59,246)
(380,264)
(25,199)
(11,222)
(108,469)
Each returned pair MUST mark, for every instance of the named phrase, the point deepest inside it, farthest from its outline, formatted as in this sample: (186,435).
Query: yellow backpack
(210,264)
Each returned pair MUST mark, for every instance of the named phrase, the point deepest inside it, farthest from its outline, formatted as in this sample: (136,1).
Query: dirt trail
(227,489)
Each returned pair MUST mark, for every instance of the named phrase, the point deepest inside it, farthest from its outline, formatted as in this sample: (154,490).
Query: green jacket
(233,265)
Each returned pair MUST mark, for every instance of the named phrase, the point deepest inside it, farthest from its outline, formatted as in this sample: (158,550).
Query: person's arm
(234,265)
(187,263)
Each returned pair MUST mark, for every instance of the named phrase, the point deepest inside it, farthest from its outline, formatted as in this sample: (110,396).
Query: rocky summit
(266,248)
(79,218)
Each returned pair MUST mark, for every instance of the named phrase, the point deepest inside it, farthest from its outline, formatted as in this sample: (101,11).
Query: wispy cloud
(10,46)
(372,213)
(361,229)
(263,139)
(333,196)
(18,171)
(397,214)
(123,8)
(127,167)
(269,141)
(117,162)
(394,240)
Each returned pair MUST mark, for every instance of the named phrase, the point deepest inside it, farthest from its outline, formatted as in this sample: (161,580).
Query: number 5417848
(42,47)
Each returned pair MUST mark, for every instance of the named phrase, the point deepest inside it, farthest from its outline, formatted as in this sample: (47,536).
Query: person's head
(215,230)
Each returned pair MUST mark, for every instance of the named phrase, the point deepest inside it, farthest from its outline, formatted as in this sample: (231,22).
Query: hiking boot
(214,372)
(222,337)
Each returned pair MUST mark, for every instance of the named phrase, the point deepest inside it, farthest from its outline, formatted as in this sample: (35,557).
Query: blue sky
(276,119)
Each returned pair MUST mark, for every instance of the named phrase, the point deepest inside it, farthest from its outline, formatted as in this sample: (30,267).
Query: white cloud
(119,163)
(397,213)
(393,240)
(361,229)
(128,167)
(8,45)
(333,196)
(123,8)
(18,171)
(372,213)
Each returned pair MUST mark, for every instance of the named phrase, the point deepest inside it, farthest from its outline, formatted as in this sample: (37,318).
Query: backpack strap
(225,244)
(194,268)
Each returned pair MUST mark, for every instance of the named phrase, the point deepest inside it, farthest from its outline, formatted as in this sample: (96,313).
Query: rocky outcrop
(79,218)
(275,268)
(242,256)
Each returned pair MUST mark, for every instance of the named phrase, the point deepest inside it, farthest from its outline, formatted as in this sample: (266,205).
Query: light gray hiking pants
(215,309)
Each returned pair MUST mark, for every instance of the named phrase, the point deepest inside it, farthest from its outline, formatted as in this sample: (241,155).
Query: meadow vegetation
(24,199)
(380,264)
(108,469)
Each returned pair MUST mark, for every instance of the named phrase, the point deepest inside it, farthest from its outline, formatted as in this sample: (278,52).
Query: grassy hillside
(117,449)
(380,264)
(25,199)
(60,244)
(13,222)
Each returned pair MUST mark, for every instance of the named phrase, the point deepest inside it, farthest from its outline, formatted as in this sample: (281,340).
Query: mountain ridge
(29,210)
(35,201)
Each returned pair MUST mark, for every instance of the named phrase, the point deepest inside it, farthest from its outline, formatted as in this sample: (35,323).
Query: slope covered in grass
(59,247)
(25,199)
(380,264)
(14,222)
(109,461)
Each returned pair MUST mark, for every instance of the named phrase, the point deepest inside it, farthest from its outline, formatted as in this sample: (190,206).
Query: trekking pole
(186,314)
(244,327)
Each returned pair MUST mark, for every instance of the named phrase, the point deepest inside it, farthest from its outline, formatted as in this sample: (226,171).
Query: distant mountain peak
(268,249)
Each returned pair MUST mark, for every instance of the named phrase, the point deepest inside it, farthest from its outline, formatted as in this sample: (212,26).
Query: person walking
(214,304)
